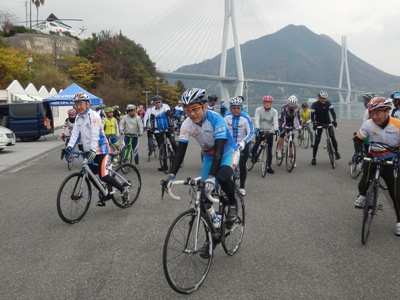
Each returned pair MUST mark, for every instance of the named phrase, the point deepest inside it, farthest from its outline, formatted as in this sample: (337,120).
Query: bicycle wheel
(127,175)
(300,137)
(290,158)
(278,160)
(163,157)
(232,238)
(369,211)
(382,184)
(355,169)
(73,198)
(306,138)
(70,162)
(249,164)
(183,267)
(329,147)
(264,153)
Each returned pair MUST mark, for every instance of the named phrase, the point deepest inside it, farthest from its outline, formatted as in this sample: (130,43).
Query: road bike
(190,242)
(75,193)
(127,154)
(371,205)
(166,154)
(303,138)
(288,151)
(263,151)
(72,159)
(329,146)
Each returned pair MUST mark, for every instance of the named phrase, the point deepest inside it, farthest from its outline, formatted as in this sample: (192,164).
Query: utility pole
(158,82)
(147,103)
(30,14)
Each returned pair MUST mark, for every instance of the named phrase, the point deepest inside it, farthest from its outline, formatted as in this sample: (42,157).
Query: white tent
(17,93)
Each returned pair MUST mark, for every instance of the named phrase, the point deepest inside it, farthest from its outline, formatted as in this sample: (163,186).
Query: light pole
(158,82)
(147,104)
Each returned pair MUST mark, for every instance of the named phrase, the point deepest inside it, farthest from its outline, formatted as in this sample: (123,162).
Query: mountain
(296,54)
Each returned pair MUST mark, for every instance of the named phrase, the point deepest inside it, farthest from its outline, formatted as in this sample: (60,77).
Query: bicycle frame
(128,153)
(329,145)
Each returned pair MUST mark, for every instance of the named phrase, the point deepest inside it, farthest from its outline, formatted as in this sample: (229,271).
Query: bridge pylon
(230,18)
(344,66)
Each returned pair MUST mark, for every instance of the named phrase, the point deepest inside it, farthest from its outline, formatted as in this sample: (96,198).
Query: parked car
(7,137)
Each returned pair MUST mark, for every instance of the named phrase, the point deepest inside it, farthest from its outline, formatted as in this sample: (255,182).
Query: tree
(37,4)
(12,66)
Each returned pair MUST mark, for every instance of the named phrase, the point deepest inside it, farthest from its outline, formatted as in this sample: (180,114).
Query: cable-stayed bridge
(194,31)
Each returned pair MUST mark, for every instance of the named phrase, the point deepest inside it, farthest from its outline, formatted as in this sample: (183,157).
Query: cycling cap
(236,101)
(304,105)
(323,94)
(368,96)
(157,98)
(378,103)
(108,109)
(395,96)
(268,98)
(193,95)
(292,100)
(81,97)
(71,112)
(130,107)
(213,97)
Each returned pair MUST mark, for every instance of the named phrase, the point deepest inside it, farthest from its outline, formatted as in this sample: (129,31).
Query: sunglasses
(193,109)
(236,107)
(157,102)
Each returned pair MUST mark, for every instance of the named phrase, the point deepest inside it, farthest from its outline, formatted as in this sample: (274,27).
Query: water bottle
(215,217)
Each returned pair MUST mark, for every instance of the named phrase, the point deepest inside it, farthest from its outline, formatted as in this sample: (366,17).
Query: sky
(371,28)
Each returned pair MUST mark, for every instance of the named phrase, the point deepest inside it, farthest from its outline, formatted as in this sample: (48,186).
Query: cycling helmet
(379,103)
(108,109)
(130,107)
(213,97)
(81,97)
(193,95)
(368,96)
(395,96)
(151,102)
(323,94)
(71,112)
(236,101)
(268,98)
(304,105)
(292,100)
(157,98)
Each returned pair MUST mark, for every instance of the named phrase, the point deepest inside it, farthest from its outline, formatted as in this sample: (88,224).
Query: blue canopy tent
(64,98)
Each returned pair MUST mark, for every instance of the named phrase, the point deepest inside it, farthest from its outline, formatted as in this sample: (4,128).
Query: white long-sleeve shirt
(266,120)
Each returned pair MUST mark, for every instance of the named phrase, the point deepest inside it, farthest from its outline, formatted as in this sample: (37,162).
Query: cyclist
(141,112)
(320,116)
(68,124)
(178,115)
(147,126)
(380,128)
(223,108)
(241,128)
(88,127)
(396,103)
(305,118)
(160,121)
(265,119)
(111,127)
(289,117)
(366,98)
(220,151)
(212,100)
(132,124)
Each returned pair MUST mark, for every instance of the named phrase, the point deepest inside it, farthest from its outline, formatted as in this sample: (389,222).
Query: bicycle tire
(355,169)
(329,147)
(232,238)
(306,138)
(73,200)
(300,137)
(382,185)
(264,154)
(163,157)
(290,159)
(279,161)
(131,174)
(183,267)
(70,162)
(249,164)
(369,211)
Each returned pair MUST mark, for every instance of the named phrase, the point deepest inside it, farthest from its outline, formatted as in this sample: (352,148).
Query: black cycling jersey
(320,112)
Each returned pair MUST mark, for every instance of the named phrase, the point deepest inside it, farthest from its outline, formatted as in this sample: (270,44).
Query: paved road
(302,238)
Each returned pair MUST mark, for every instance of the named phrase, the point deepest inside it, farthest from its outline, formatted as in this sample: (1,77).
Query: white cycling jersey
(240,127)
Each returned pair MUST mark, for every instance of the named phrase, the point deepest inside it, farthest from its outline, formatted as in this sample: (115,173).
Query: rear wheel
(331,154)
(127,175)
(290,156)
(184,268)
(264,154)
(279,160)
(369,211)
(300,137)
(73,198)
(306,138)
(163,158)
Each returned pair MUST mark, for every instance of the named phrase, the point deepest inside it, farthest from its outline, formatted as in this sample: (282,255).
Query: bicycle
(166,154)
(329,145)
(185,266)
(303,137)
(75,193)
(371,205)
(288,151)
(72,160)
(127,154)
(152,144)
(263,150)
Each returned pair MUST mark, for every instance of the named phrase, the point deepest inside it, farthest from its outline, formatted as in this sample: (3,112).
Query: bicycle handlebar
(77,153)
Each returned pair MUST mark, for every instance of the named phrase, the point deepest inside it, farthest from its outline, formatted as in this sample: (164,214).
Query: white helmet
(130,107)
(292,100)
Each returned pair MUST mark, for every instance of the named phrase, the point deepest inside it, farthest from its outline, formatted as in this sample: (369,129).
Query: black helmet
(304,105)
(213,97)
(395,96)
(368,96)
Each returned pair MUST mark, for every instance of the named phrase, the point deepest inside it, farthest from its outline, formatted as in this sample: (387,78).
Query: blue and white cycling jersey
(213,128)
(161,119)
(241,127)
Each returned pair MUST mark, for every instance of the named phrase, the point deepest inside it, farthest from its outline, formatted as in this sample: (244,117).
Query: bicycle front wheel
(73,198)
(300,137)
(329,147)
(264,153)
(369,211)
(184,268)
(249,164)
(306,138)
(279,160)
(164,157)
(355,169)
(127,175)
(232,238)
(290,156)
